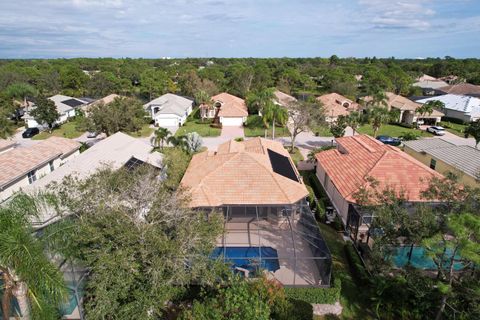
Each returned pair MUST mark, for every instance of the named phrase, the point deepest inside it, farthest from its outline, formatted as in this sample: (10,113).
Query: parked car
(30,132)
(389,140)
(92,134)
(436,130)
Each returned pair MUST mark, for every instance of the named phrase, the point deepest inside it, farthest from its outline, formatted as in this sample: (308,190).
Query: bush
(300,310)
(453,120)
(316,295)
(405,125)
(408,136)
(356,265)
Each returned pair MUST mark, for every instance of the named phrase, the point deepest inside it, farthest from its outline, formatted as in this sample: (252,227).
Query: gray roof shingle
(427,144)
(464,158)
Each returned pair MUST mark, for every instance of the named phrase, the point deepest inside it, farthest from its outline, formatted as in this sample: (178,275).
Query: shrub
(356,265)
(453,120)
(299,310)
(239,139)
(408,136)
(316,295)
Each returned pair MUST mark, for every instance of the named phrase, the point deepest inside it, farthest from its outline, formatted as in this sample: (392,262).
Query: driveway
(453,138)
(17,137)
(228,133)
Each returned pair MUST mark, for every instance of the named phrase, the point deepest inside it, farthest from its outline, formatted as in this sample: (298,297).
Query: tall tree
(354,120)
(274,113)
(25,266)
(302,116)
(378,116)
(20,91)
(257,101)
(473,129)
(160,136)
(45,112)
(430,106)
(338,127)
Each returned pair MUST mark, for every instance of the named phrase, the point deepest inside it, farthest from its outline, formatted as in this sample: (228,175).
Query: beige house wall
(338,201)
(442,167)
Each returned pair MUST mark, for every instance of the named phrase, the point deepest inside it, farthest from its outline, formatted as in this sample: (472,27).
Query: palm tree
(378,99)
(179,141)
(160,136)
(257,101)
(275,113)
(429,107)
(203,100)
(354,120)
(378,116)
(26,271)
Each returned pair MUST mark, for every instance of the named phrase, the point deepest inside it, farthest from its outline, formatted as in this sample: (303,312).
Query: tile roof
(466,104)
(232,106)
(241,173)
(337,105)
(359,157)
(113,151)
(18,162)
(283,99)
(6,144)
(170,103)
(464,158)
(462,88)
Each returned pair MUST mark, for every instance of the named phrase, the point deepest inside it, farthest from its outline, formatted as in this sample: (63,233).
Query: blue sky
(239,28)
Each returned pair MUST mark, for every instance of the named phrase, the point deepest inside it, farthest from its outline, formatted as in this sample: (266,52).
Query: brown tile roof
(359,157)
(283,99)
(240,173)
(19,161)
(232,106)
(337,105)
(6,144)
(405,104)
(462,88)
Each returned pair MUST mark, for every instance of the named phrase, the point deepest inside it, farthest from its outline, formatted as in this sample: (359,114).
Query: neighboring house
(429,84)
(283,99)
(227,109)
(22,166)
(459,107)
(114,152)
(465,89)
(262,196)
(345,170)
(407,109)
(336,105)
(169,110)
(65,105)
(105,100)
(443,156)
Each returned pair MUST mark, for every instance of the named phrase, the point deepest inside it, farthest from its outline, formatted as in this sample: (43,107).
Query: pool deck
(276,234)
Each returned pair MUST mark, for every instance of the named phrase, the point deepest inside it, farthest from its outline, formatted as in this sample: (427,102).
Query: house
(465,89)
(226,109)
(407,109)
(262,197)
(283,99)
(345,170)
(105,100)
(336,105)
(443,156)
(114,151)
(169,110)
(464,108)
(65,105)
(429,84)
(22,166)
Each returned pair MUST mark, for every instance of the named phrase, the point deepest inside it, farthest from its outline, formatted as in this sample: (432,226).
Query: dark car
(30,132)
(389,140)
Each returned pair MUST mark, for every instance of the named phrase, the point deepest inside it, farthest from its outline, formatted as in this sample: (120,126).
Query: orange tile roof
(462,88)
(232,106)
(362,156)
(6,144)
(284,99)
(240,173)
(334,105)
(18,162)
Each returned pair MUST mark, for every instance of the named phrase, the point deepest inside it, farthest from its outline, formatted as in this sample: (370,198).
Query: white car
(437,130)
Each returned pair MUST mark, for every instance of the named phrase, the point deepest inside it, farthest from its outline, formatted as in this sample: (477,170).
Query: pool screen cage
(283,242)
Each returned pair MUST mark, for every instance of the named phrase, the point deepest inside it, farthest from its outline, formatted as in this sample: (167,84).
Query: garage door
(231,122)
(167,122)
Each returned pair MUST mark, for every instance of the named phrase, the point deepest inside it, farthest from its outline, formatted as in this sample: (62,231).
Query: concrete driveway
(228,133)
(453,138)
(17,137)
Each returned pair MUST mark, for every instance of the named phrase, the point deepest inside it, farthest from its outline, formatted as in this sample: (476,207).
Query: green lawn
(455,128)
(144,132)
(66,130)
(296,155)
(392,130)
(255,128)
(196,125)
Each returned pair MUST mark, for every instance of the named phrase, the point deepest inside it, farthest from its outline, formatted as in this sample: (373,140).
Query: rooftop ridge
(363,144)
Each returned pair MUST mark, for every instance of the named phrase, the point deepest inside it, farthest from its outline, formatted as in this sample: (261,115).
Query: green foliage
(408,136)
(316,295)
(338,127)
(160,136)
(357,268)
(473,130)
(176,161)
(45,112)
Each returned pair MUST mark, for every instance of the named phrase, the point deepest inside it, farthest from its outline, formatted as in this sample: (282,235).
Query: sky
(239,28)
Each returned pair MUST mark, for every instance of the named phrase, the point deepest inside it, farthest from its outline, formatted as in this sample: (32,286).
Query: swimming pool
(249,258)
(418,259)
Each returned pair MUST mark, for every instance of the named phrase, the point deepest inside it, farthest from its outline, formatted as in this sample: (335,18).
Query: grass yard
(202,128)
(455,128)
(296,155)
(144,132)
(392,130)
(66,130)
(255,128)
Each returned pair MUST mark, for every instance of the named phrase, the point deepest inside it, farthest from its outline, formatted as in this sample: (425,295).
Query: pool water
(69,306)
(249,257)
(419,258)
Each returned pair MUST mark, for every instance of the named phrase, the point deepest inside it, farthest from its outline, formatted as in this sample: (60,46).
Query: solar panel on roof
(73,102)
(133,163)
(282,165)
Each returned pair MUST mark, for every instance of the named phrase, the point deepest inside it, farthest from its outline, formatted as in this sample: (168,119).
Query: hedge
(356,265)
(453,120)
(316,295)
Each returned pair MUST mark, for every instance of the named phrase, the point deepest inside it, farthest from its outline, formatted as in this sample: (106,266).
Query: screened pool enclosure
(283,242)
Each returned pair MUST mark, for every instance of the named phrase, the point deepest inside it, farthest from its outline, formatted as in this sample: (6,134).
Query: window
(51,166)
(32,176)
(433,164)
